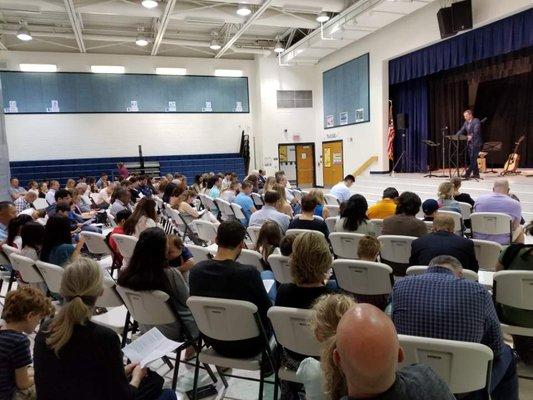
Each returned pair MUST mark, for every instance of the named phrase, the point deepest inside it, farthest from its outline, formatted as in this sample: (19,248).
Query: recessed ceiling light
(141,40)
(23,33)
(228,72)
(322,17)
(38,67)
(215,45)
(107,69)
(170,71)
(149,3)
(279,48)
(244,10)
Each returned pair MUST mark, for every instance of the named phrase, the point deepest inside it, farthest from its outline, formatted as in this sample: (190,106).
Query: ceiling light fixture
(141,40)
(23,33)
(244,10)
(214,45)
(228,72)
(38,67)
(107,69)
(279,48)
(170,71)
(322,17)
(149,3)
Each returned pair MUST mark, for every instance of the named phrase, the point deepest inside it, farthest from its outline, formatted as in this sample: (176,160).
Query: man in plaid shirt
(440,304)
(24,202)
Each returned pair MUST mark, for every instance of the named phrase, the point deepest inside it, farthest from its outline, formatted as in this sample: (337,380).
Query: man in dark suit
(472,129)
(443,242)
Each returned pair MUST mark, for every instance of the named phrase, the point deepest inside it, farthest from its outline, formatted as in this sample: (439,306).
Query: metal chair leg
(11,280)
(176,370)
(222,377)
(196,373)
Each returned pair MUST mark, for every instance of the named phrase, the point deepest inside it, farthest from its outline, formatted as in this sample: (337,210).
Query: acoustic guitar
(511,165)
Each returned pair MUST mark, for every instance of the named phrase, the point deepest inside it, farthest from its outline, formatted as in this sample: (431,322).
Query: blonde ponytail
(81,285)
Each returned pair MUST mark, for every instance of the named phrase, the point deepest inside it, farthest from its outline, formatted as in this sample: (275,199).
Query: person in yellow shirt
(386,206)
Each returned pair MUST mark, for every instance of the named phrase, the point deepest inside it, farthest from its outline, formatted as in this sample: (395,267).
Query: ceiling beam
(2,44)
(162,26)
(244,28)
(76,24)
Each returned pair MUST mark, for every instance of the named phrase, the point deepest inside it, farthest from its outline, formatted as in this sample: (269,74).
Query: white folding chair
(26,268)
(225,209)
(40,204)
(345,244)
(422,269)
(253,232)
(297,195)
(280,267)
(229,320)
(200,253)
(6,275)
(466,210)
(429,225)
(207,202)
(125,244)
(334,210)
(207,231)
(293,330)
(251,257)
(396,248)
(464,366)
(299,231)
(116,317)
(514,289)
(457,219)
(330,222)
(9,249)
(258,200)
(331,199)
(377,225)
(489,223)
(363,277)
(52,275)
(487,254)
(237,211)
(96,244)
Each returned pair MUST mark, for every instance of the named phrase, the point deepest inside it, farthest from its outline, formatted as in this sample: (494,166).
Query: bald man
(368,353)
(500,201)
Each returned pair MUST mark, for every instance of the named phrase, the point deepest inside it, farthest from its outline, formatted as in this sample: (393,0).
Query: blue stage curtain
(411,98)
(501,37)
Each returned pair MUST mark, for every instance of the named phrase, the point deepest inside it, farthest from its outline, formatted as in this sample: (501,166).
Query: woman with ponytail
(78,359)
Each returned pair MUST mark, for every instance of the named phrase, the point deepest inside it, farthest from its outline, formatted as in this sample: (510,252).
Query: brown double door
(298,162)
(332,162)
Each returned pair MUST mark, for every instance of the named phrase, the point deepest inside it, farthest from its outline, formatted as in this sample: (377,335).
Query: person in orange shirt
(385,207)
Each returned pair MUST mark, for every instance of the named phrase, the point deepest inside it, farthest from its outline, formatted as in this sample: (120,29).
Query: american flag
(391,135)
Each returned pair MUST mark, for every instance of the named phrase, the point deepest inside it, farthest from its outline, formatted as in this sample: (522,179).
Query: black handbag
(151,387)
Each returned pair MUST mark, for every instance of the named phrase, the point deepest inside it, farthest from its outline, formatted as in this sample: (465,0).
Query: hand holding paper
(149,347)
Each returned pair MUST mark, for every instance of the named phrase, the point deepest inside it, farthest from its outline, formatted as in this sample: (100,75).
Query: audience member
(144,216)
(444,242)
(103,181)
(285,246)
(230,192)
(61,196)
(15,190)
(122,170)
(228,179)
(320,209)
(244,200)
(42,188)
(269,184)
(178,255)
(24,308)
(169,190)
(25,201)
(261,176)
(342,189)
(104,195)
(145,186)
(57,244)
(440,304)
(268,241)
(120,220)
(71,184)
(500,201)
(198,184)
(188,211)
(307,219)
(34,186)
(368,248)
(83,201)
(133,187)
(446,200)
(214,185)
(50,194)
(270,212)
(223,277)
(353,217)
(14,228)
(457,195)
(122,201)
(78,359)
(430,208)
(367,351)
(7,213)
(284,205)
(386,207)
(405,222)
(32,234)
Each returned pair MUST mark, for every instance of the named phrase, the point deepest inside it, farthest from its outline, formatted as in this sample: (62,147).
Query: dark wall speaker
(401,121)
(462,15)
(444,16)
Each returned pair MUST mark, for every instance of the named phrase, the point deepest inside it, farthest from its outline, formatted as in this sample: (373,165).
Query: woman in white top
(143,217)
(353,217)
(230,192)
(283,206)
(189,212)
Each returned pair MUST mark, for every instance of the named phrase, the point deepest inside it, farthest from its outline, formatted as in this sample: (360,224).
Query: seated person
(25,201)
(148,269)
(430,208)
(7,213)
(270,212)
(441,304)
(446,200)
(104,196)
(457,195)
(320,209)
(78,359)
(23,310)
(307,220)
(268,242)
(32,234)
(385,207)
(144,217)
(61,196)
(14,228)
(284,205)
(368,250)
(121,218)
(285,246)
(500,201)
(244,200)
(353,217)
(145,187)
(223,277)
(57,244)
(367,352)
(230,192)
(15,190)
(50,194)
(404,222)
(186,208)
(121,201)
(342,189)
(444,242)
(178,255)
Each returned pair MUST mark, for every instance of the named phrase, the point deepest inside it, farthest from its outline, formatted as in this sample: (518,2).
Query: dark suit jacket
(441,243)
(473,129)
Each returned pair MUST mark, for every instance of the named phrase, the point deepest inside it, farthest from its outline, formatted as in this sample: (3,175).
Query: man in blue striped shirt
(441,304)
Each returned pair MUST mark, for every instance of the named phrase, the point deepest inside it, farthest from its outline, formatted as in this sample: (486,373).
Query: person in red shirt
(122,170)
(122,216)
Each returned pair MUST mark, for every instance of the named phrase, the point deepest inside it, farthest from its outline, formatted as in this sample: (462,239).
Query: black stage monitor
(462,15)
(444,16)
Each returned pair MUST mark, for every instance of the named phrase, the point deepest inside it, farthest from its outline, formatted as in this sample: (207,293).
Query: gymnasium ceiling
(186,28)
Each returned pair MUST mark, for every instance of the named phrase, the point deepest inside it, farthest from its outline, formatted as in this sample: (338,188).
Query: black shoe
(476,176)
(465,176)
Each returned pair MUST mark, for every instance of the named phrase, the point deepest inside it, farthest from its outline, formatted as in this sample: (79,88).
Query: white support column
(4,154)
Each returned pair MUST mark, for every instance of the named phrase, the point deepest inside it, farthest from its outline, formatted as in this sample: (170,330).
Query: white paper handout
(268,283)
(149,347)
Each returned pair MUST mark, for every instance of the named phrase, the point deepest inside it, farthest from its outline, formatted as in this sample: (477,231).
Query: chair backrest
(9,249)
(253,231)
(293,330)
(421,269)
(257,199)
(377,225)
(297,195)
(224,319)
(199,253)
(514,288)
(125,244)
(429,225)
(280,267)
(207,202)
(363,277)
(147,307)
(330,222)
(110,296)
(95,243)
(298,231)
(52,275)
(95,197)
(490,223)
(251,257)
(26,268)
(487,253)
(345,244)
(331,199)
(464,366)
(334,210)
(237,211)
(396,248)
(225,209)
(466,210)
(207,231)
(41,204)
(457,219)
